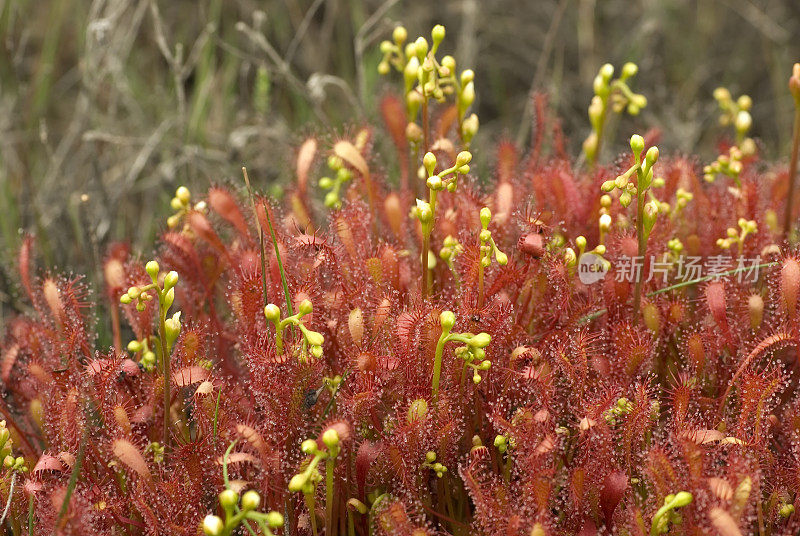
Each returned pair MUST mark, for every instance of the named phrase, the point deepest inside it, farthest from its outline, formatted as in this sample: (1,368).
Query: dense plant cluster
(338,366)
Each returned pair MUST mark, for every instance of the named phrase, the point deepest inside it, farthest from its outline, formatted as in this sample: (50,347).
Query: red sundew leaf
(702,437)
(222,202)
(348,152)
(614,487)
(238,457)
(67,457)
(715,299)
(142,414)
(32,487)
(204,388)
(25,254)
(48,462)
(588,529)
(720,487)
(202,227)
(305,158)
(8,360)
(547,444)
(189,375)
(366,456)
(723,522)
(254,438)
(129,455)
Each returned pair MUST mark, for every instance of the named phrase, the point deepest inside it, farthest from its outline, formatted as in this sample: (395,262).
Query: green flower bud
(449,63)
(467,96)
(172,327)
(309,446)
(305,307)
(330,438)
(437,34)
(399,35)
(134,346)
(171,279)
(743,121)
(213,525)
(272,312)
(481,340)
(429,161)
(463,158)
(486,217)
(417,411)
(297,482)
(447,319)
(421,48)
(721,94)
(637,144)
(652,156)
(682,498)
(744,102)
(183,195)
(274,519)
(435,183)
(152,270)
(228,499)
(169,298)
(629,69)
(250,500)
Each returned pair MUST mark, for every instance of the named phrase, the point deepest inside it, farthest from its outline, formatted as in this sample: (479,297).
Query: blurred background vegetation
(107,105)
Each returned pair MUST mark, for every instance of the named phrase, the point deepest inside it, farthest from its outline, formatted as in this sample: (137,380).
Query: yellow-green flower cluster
(10,462)
(341,175)
(427,78)
(726,164)
(166,296)
(181,203)
(312,340)
(473,352)
(431,463)
(239,511)
(736,113)
(746,227)
(307,480)
(614,94)
(488,246)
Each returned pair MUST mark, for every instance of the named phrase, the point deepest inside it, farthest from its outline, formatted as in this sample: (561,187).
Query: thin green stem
(427,229)
(480,283)
(437,367)
(642,240)
(279,339)
(309,497)
(10,496)
(280,263)
(329,466)
(260,234)
(73,477)
(787,222)
(166,368)
(30,515)
(351,527)
(216,412)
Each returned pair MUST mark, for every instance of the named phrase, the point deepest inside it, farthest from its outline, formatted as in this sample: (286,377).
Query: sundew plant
(564,345)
